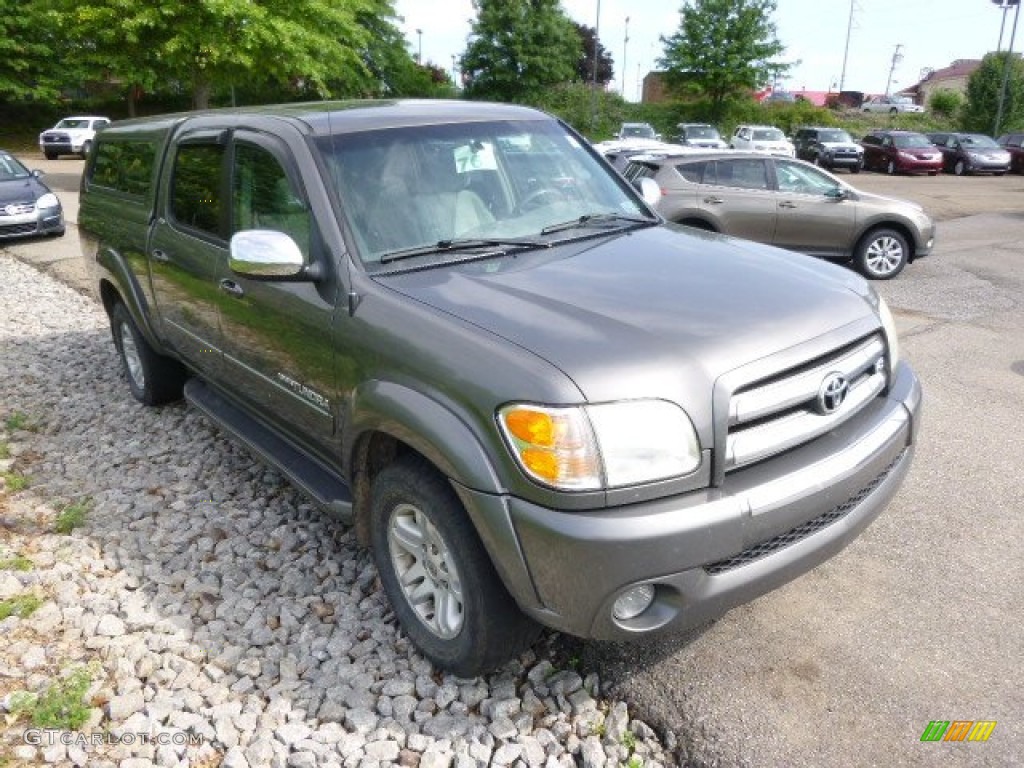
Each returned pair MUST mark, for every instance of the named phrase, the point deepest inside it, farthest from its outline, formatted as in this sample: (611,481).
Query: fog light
(633,602)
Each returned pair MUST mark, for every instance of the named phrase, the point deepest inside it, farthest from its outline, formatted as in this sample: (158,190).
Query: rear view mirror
(264,254)
(649,190)
(836,193)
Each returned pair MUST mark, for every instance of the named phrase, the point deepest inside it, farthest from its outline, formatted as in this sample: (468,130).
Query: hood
(842,145)
(649,310)
(21,191)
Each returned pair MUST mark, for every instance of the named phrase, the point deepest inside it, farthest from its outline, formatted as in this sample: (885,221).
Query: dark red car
(1014,144)
(901,152)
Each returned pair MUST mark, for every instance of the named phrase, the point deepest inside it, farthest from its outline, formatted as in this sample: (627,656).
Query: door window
(195,187)
(800,179)
(263,197)
(745,173)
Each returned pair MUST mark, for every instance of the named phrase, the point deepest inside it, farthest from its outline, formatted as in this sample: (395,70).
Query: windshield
(636,131)
(769,134)
(835,137)
(977,140)
(70,122)
(416,187)
(702,132)
(10,168)
(913,141)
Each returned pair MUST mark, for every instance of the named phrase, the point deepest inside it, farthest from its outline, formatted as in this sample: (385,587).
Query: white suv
(71,136)
(762,138)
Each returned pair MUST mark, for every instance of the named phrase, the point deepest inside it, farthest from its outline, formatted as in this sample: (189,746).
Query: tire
(959,168)
(999,173)
(152,378)
(422,536)
(86,148)
(882,254)
(50,155)
(857,168)
(890,168)
(893,111)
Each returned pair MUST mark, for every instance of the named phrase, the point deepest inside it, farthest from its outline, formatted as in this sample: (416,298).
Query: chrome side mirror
(265,254)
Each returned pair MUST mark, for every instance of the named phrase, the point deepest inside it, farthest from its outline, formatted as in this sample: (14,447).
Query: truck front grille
(786,411)
(803,530)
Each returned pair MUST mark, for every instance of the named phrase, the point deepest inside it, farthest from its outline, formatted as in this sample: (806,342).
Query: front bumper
(708,551)
(46,221)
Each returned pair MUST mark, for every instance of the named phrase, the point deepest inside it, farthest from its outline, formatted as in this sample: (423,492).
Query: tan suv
(791,204)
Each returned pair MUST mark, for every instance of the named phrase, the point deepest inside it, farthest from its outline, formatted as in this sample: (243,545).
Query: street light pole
(597,47)
(419,54)
(625,42)
(897,57)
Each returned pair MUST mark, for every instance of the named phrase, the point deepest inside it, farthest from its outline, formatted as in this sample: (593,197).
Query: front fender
(427,426)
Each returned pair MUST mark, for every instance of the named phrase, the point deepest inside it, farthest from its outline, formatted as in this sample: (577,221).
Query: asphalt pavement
(918,620)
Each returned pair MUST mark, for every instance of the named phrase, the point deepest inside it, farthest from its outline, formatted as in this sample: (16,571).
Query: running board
(323,485)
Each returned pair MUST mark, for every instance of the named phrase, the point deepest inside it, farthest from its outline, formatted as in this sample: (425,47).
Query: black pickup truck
(453,325)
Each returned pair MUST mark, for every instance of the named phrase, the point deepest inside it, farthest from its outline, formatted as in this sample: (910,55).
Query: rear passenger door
(187,248)
(277,345)
(736,194)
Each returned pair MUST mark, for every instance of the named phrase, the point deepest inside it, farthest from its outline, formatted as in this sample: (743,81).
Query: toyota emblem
(832,393)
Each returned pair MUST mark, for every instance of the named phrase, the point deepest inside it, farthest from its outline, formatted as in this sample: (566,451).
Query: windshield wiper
(597,220)
(464,244)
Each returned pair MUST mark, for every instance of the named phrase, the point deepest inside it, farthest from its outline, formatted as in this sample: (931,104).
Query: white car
(71,136)
(891,104)
(762,138)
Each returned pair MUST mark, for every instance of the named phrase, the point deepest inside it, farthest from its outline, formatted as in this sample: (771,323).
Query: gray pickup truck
(453,325)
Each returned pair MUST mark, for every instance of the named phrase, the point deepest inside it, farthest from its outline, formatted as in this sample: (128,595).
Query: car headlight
(592,447)
(49,200)
(889,327)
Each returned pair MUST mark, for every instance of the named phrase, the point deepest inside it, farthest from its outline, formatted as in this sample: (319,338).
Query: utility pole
(1006,71)
(897,57)
(846,51)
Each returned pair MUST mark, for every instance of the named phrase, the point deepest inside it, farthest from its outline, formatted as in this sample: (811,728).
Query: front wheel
(959,168)
(86,148)
(152,378)
(50,155)
(890,168)
(882,254)
(437,574)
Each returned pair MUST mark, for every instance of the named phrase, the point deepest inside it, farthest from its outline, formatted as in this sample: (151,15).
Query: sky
(931,33)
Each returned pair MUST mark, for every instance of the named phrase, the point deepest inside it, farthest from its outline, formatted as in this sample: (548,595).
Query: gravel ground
(209,603)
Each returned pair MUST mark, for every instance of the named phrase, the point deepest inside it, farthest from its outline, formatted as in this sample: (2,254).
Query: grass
(72,516)
(21,606)
(629,740)
(19,420)
(59,706)
(15,481)
(15,563)
(5,451)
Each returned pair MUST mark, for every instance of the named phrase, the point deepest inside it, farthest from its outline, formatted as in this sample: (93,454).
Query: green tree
(30,50)
(585,65)
(722,50)
(220,43)
(519,47)
(983,86)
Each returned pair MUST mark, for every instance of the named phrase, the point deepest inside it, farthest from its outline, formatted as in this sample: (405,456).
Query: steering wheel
(536,198)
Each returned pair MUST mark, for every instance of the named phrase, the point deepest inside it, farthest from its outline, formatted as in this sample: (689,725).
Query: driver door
(811,218)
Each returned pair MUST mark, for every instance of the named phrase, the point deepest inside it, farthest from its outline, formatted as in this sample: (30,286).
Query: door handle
(713,200)
(160,256)
(231,288)
(787,204)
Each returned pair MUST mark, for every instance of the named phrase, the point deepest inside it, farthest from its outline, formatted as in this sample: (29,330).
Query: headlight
(592,447)
(889,326)
(49,200)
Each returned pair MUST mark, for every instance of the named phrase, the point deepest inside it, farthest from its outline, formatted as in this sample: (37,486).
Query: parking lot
(917,621)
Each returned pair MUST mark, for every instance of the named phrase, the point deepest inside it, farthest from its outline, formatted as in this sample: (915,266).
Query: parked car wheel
(894,111)
(86,148)
(882,254)
(50,155)
(890,168)
(152,378)
(959,168)
(437,574)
